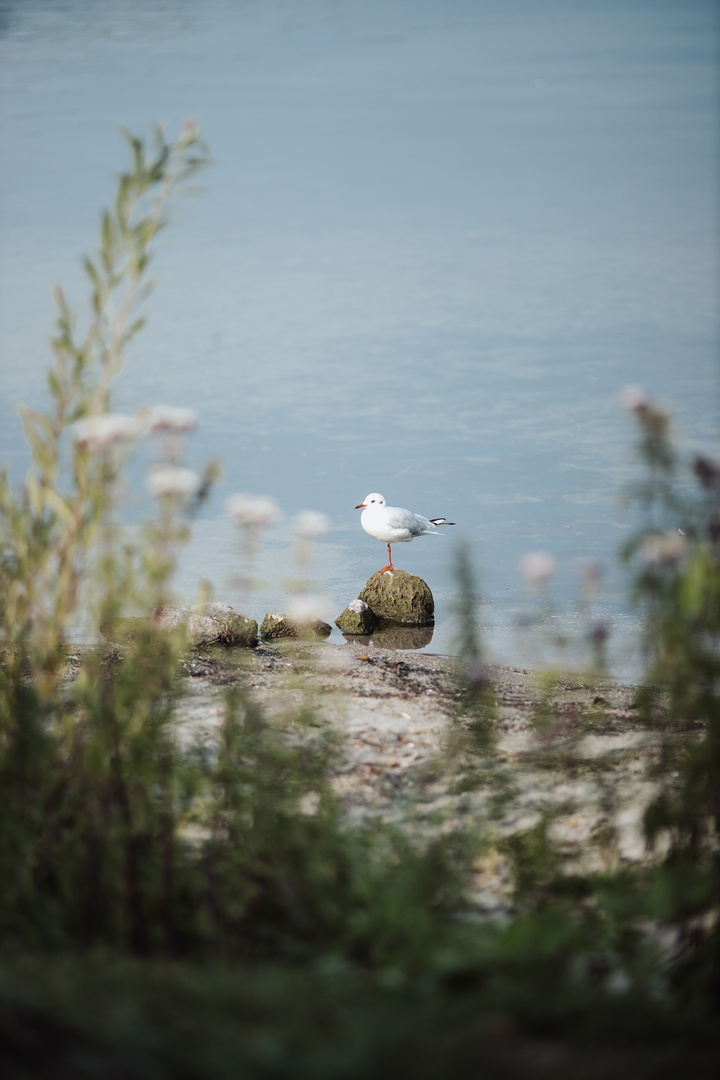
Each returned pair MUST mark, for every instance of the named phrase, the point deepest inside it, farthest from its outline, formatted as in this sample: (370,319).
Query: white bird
(393,525)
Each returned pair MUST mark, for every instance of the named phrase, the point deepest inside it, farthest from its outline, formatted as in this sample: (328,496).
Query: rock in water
(277,625)
(395,636)
(357,618)
(399,597)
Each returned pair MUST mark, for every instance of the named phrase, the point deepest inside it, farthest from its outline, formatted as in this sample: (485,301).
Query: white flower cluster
(635,399)
(537,566)
(253,511)
(170,418)
(306,608)
(173,480)
(98,433)
(664,549)
(310,524)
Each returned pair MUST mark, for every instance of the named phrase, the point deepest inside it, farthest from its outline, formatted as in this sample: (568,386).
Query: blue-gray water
(438,238)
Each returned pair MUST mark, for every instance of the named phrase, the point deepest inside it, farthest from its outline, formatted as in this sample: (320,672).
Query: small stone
(399,597)
(277,625)
(357,618)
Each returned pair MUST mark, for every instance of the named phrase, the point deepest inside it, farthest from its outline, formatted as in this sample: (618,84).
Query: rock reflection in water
(395,637)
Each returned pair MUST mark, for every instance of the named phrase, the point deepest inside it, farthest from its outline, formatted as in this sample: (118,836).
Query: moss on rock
(357,618)
(399,597)
(277,625)
(235,629)
(209,625)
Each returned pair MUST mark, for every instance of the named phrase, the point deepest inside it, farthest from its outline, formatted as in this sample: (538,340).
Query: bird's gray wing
(415,524)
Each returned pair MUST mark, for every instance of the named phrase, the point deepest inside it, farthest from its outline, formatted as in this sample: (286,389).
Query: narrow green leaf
(107,231)
(134,328)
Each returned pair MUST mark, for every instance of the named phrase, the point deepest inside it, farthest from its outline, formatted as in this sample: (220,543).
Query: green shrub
(676,555)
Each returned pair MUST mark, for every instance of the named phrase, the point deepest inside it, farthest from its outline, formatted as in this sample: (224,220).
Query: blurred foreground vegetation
(207,911)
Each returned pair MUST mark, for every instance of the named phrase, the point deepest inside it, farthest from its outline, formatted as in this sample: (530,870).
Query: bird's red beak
(360,506)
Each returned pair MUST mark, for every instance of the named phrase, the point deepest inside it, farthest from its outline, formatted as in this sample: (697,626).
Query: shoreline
(573,749)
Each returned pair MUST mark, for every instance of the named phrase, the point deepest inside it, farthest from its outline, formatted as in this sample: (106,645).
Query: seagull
(393,525)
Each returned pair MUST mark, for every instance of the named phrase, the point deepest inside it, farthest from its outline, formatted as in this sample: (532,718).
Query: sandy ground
(565,746)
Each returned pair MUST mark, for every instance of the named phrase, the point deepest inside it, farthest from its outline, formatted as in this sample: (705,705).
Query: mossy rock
(399,597)
(210,625)
(235,629)
(357,618)
(198,629)
(277,625)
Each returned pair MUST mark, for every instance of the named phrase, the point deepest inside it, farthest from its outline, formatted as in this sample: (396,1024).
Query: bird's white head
(373,499)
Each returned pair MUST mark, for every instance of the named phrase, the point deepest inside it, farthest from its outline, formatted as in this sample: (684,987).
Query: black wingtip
(441,521)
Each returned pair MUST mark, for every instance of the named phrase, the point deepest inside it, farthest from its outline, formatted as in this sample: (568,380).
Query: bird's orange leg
(389,567)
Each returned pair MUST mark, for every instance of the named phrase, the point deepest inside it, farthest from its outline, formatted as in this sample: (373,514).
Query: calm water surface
(437,240)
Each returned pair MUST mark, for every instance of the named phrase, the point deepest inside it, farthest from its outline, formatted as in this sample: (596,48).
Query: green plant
(49,528)
(85,766)
(676,555)
(475,694)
